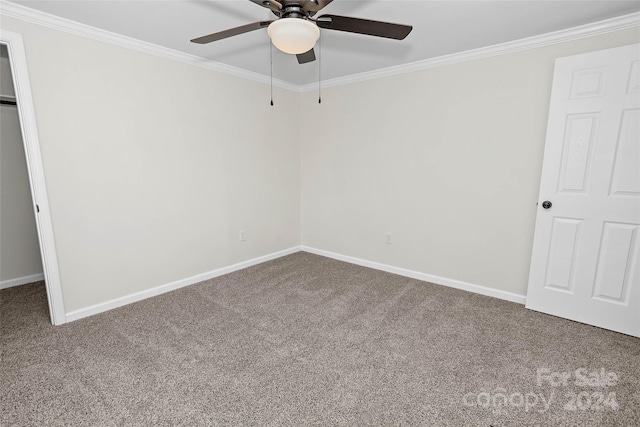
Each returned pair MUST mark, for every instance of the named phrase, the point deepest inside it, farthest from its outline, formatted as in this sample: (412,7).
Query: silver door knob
(546,204)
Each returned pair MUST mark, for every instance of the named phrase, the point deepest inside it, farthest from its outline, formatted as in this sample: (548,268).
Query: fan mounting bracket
(293,9)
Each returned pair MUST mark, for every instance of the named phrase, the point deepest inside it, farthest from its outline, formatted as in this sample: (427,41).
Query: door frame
(26,112)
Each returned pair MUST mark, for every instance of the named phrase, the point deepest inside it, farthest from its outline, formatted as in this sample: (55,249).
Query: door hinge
(37,209)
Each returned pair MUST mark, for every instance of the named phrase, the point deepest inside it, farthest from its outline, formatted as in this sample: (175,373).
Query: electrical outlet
(242,236)
(388,239)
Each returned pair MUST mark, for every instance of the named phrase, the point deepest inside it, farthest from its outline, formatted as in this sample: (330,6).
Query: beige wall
(153,166)
(19,250)
(6,79)
(448,160)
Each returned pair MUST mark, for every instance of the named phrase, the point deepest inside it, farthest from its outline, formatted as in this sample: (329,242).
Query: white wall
(153,166)
(19,249)
(448,160)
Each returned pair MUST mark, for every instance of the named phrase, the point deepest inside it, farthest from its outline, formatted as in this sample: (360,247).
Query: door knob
(546,204)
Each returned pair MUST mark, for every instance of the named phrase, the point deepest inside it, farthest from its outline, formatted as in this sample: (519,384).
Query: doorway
(19,105)
(20,261)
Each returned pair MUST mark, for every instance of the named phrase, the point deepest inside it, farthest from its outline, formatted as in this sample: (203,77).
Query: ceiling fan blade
(269,4)
(308,56)
(364,26)
(314,5)
(231,32)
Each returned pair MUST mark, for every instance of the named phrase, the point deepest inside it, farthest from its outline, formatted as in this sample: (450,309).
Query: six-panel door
(586,253)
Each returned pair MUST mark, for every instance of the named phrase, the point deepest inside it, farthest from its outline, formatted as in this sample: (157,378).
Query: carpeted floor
(307,340)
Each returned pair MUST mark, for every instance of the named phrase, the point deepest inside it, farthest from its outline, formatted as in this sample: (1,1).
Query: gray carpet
(306,340)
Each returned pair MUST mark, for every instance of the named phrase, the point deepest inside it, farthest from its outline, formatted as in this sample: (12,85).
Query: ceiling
(440,28)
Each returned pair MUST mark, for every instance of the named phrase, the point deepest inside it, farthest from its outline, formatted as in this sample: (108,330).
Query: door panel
(578,144)
(588,82)
(585,260)
(615,262)
(565,237)
(626,171)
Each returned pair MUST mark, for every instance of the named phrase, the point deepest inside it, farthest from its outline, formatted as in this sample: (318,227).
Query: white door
(585,264)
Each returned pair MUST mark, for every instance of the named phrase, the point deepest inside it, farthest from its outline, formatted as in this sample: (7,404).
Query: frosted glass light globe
(293,35)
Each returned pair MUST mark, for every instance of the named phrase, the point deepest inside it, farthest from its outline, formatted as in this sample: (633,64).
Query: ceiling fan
(296,32)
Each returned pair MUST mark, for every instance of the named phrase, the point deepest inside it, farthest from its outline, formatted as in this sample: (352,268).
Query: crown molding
(23,13)
(26,14)
(593,29)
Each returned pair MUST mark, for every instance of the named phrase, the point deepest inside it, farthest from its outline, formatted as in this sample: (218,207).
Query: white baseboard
(21,281)
(452,283)
(138,296)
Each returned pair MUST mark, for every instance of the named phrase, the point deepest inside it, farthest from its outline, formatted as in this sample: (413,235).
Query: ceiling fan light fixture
(293,35)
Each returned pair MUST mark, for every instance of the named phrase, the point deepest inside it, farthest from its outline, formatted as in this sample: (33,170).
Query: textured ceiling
(440,28)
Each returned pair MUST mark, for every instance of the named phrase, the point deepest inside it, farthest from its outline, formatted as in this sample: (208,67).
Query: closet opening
(20,261)
(28,260)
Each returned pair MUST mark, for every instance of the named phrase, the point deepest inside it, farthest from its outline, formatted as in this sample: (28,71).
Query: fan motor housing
(292,9)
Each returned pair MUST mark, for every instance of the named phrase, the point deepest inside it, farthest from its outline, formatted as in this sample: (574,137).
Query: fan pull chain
(271,65)
(320,68)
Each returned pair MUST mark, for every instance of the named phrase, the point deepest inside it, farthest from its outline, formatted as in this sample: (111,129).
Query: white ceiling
(440,28)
